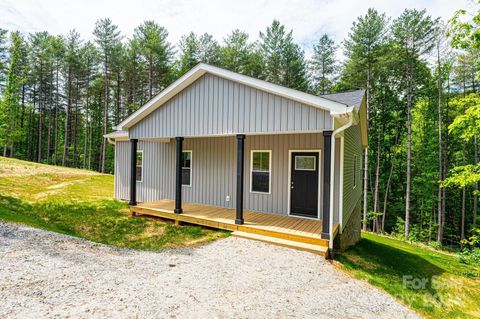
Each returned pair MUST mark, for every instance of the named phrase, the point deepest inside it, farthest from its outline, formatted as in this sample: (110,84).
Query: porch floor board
(293,229)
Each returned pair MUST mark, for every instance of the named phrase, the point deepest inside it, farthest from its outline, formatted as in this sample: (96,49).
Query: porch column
(327,167)
(133,172)
(178,176)
(240,165)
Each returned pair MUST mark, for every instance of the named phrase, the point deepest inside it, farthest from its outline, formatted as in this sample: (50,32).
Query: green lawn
(80,203)
(434,283)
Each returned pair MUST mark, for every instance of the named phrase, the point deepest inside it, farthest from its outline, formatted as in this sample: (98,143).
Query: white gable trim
(199,70)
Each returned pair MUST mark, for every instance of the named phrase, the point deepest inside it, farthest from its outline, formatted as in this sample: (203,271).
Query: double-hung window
(139,166)
(260,171)
(187,168)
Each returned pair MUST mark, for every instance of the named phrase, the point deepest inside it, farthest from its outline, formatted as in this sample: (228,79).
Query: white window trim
(355,169)
(191,164)
(269,171)
(141,179)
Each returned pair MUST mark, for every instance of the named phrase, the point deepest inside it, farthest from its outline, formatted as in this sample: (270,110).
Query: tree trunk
(57,93)
(475,186)
(440,155)
(376,201)
(66,143)
(387,188)
(442,213)
(365,168)
(409,160)
(462,224)
(105,119)
(86,117)
(150,78)
(40,116)
(75,125)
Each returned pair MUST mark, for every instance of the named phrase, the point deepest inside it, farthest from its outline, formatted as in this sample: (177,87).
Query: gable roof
(350,98)
(334,107)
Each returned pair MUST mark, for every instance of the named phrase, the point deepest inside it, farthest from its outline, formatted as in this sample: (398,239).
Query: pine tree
(71,73)
(236,52)
(3,58)
(363,48)
(189,47)
(413,32)
(323,65)
(157,53)
(58,49)
(10,102)
(107,36)
(283,59)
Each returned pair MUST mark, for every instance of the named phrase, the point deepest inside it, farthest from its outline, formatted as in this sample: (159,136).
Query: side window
(260,171)
(139,166)
(355,170)
(186,168)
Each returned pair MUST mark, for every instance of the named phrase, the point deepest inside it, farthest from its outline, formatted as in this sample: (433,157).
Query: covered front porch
(300,233)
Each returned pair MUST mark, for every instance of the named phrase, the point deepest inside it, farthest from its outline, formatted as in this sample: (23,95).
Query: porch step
(320,250)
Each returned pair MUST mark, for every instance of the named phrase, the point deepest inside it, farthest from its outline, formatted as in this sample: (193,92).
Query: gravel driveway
(48,275)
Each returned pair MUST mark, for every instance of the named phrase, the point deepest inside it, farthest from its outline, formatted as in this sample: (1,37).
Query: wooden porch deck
(296,232)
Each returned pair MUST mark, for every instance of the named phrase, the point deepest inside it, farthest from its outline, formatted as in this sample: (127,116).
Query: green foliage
(471,253)
(10,101)
(194,50)
(284,61)
(323,65)
(433,283)
(471,257)
(239,55)
(3,57)
(466,125)
(465,31)
(364,47)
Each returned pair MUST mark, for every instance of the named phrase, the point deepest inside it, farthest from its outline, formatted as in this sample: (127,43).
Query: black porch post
(178,176)
(240,164)
(327,167)
(133,172)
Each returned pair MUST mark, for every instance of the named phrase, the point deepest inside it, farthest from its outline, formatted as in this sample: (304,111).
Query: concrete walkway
(48,275)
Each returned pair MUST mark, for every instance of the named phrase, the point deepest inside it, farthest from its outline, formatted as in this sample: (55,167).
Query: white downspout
(332,175)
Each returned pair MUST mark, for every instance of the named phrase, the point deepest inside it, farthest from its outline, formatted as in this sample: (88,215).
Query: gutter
(351,115)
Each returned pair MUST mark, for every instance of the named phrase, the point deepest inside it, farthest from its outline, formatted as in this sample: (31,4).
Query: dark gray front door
(304,184)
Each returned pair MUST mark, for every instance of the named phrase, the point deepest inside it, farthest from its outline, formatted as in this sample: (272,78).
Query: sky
(309,19)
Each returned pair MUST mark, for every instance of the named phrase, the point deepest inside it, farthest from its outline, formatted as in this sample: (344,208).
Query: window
(186,168)
(305,163)
(260,171)
(139,166)
(355,169)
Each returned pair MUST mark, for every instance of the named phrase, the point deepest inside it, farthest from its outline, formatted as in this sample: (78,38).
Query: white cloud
(308,18)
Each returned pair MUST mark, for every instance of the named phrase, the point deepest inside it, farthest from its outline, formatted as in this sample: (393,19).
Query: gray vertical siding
(214,170)
(122,170)
(352,146)
(216,106)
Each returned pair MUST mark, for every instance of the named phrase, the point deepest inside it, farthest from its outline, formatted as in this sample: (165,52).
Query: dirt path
(48,275)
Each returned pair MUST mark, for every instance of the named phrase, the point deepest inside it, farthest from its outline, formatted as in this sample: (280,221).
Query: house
(217,142)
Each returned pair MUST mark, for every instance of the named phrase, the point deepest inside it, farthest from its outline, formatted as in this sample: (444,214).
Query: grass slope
(434,283)
(80,203)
